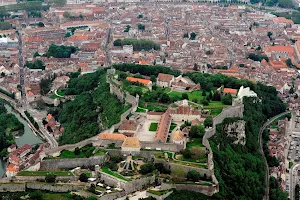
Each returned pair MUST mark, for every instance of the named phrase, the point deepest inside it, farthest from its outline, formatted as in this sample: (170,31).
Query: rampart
(233,111)
(12,187)
(52,187)
(70,163)
(42,178)
(130,186)
(204,189)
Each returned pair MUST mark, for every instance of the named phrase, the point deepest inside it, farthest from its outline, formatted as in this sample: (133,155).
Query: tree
(292,90)
(186,154)
(147,168)
(50,178)
(203,93)
(36,54)
(185,96)
(210,95)
(153,78)
(140,16)
(286,3)
(67,14)
(45,85)
(255,24)
(270,34)
(164,98)
(185,35)
(36,195)
(141,27)
(83,177)
(118,42)
(77,151)
(227,99)
(193,36)
(196,132)
(216,96)
(41,24)
(161,168)
(92,188)
(196,67)
(193,175)
(204,102)
(288,62)
(208,122)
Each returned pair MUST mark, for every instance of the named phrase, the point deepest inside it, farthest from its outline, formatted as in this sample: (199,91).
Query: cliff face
(236,130)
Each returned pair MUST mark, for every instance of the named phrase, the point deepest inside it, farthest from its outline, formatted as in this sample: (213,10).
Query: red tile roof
(139,80)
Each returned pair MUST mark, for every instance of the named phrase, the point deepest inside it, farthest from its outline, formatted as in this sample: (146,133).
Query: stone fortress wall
(22,186)
(65,163)
(232,111)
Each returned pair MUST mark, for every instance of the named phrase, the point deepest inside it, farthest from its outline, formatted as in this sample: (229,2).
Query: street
(24,106)
(292,154)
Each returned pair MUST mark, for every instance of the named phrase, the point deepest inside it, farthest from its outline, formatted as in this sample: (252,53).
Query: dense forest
(138,45)
(94,108)
(8,124)
(239,169)
(146,70)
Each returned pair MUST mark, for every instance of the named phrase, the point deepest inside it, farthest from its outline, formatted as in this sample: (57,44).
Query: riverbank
(28,137)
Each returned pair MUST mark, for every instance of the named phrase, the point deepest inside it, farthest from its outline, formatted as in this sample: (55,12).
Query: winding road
(264,126)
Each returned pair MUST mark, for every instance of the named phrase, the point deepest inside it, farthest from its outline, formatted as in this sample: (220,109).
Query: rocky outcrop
(236,130)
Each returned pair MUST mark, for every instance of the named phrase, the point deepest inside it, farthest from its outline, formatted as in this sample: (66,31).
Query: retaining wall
(70,163)
(128,187)
(207,190)
(157,197)
(54,187)
(113,196)
(42,178)
(173,166)
(12,187)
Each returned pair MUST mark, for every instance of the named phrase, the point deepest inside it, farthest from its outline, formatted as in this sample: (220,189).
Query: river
(28,137)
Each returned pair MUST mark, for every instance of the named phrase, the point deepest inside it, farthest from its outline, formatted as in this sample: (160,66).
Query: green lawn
(215,105)
(172,126)
(61,92)
(100,152)
(70,154)
(85,152)
(53,96)
(194,142)
(215,112)
(108,171)
(197,94)
(200,164)
(153,106)
(56,196)
(153,126)
(44,173)
(158,192)
(141,110)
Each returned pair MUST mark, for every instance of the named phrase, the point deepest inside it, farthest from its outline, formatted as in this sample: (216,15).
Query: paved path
(264,126)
